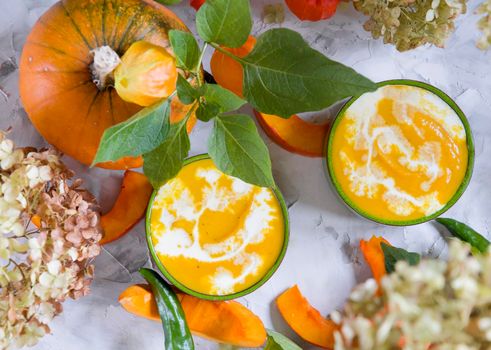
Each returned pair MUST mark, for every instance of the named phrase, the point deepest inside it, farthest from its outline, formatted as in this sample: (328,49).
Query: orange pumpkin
(56,78)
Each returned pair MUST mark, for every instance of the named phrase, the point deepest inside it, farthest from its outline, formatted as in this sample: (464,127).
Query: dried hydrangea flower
(411,23)
(42,266)
(433,305)
(484,25)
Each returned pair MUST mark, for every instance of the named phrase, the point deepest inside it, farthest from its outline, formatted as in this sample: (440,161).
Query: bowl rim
(250,289)
(328,165)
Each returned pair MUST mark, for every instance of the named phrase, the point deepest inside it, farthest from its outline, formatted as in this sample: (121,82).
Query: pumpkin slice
(374,255)
(306,321)
(226,71)
(138,300)
(129,207)
(295,134)
(226,322)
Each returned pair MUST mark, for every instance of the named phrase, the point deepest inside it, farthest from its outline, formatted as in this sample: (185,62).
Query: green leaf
(207,111)
(165,161)
(224,22)
(237,150)
(392,255)
(217,100)
(283,75)
(226,99)
(277,341)
(185,48)
(135,136)
(186,93)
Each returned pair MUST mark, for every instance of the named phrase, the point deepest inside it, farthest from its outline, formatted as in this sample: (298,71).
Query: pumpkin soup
(398,154)
(215,234)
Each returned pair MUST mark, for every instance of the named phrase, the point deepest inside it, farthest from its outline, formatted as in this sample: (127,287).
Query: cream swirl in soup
(399,153)
(214,233)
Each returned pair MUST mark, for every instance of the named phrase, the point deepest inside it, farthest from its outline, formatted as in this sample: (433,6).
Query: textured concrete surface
(323,258)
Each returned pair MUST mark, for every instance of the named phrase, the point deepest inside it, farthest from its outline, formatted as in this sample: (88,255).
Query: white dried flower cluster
(484,25)
(41,266)
(411,23)
(435,305)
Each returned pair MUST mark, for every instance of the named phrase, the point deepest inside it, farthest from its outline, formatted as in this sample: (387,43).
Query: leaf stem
(198,66)
(191,110)
(231,55)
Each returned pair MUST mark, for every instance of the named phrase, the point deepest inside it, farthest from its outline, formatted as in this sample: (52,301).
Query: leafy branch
(283,75)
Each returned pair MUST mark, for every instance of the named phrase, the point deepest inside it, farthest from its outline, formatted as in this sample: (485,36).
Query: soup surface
(214,233)
(399,153)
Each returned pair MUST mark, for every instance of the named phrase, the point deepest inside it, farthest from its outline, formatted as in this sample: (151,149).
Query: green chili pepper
(176,330)
(465,233)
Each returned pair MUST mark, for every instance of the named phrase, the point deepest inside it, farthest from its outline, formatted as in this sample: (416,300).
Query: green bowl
(189,291)
(470,164)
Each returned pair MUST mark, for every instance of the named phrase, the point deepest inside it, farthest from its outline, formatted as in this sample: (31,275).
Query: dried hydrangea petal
(484,25)
(436,304)
(411,23)
(43,266)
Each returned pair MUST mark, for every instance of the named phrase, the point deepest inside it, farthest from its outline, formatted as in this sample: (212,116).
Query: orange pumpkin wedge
(295,134)
(226,71)
(305,320)
(374,255)
(226,322)
(129,207)
(138,300)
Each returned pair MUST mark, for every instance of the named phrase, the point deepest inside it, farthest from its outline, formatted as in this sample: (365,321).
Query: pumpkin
(295,134)
(129,208)
(374,256)
(226,322)
(312,10)
(57,76)
(305,320)
(227,71)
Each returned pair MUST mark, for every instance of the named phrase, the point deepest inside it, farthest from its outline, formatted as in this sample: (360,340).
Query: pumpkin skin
(56,83)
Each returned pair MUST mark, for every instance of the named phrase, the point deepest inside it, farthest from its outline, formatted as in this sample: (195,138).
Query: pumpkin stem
(105,62)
